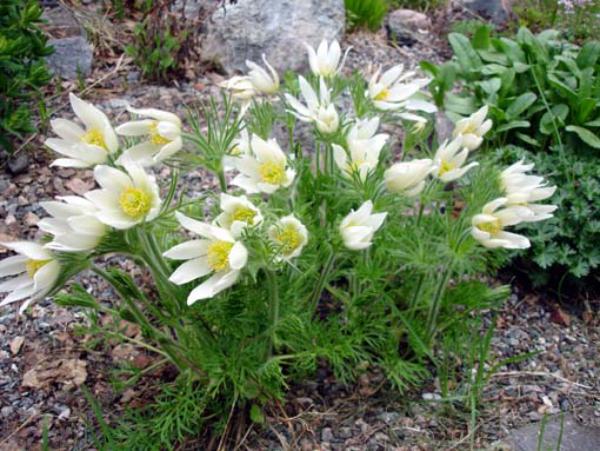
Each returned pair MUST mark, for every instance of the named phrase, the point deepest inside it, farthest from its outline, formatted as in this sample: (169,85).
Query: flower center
(156,137)
(491,227)
(384,94)
(288,238)
(218,255)
(446,166)
(243,214)
(33,266)
(94,137)
(272,172)
(135,202)
(470,129)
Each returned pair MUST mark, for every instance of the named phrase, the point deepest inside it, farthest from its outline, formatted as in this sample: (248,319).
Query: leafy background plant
(22,67)
(543,95)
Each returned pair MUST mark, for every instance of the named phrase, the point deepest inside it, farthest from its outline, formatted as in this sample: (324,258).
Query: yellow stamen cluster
(243,214)
(218,255)
(383,95)
(288,238)
(95,137)
(446,166)
(33,266)
(491,227)
(135,202)
(272,172)
(156,137)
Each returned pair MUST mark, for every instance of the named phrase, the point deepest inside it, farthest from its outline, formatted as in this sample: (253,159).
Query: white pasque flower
(391,91)
(163,132)
(289,236)
(240,86)
(237,214)
(73,224)
(265,170)
(35,269)
(364,147)
(318,108)
(488,226)
(449,160)
(125,198)
(408,177)
(358,227)
(216,253)
(526,190)
(239,147)
(325,62)
(472,128)
(83,147)
(263,81)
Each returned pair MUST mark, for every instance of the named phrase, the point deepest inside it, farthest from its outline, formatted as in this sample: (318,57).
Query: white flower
(325,62)
(364,148)
(289,236)
(449,160)
(73,224)
(217,253)
(241,87)
(318,109)
(35,269)
(408,177)
(472,128)
(525,190)
(126,198)
(83,147)
(392,91)
(238,213)
(163,130)
(358,227)
(263,81)
(488,226)
(266,170)
(239,147)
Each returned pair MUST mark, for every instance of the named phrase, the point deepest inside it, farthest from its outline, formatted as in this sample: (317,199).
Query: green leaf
(481,37)
(460,105)
(467,57)
(490,86)
(594,123)
(520,104)
(256,414)
(585,135)
(528,139)
(588,55)
(513,124)
(559,113)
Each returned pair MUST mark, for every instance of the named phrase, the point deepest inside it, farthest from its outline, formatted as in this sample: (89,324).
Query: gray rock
(327,435)
(194,9)
(443,126)
(498,11)
(575,437)
(404,25)
(18,163)
(388,417)
(62,22)
(72,56)
(248,28)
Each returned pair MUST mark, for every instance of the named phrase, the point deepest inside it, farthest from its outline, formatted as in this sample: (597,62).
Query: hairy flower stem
(321,282)
(222,181)
(273,307)
(434,308)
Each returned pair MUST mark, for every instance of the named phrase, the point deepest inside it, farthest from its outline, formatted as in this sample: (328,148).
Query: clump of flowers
(240,273)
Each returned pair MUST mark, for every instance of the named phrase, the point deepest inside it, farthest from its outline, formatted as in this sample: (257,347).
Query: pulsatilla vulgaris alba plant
(317,244)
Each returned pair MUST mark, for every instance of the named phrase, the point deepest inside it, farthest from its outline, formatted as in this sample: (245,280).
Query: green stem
(434,308)
(322,281)
(273,307)
(417,294)
(222,181)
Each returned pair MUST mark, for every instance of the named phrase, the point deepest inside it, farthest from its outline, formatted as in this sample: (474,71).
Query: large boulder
(248,28)
(405,25)
(498,11)
(72,57)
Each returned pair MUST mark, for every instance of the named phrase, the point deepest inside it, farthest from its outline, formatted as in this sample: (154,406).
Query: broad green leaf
(481,37)
(594,123)
(559,113)
(563,89)
(520,67)
(507,79)
(513,124)
(493,57)
(528,139)
(585,135)
(588,55)
(465,54)
(490,86)
(460,105)
(493,69)
(512,50)
(586,106)
(520,104)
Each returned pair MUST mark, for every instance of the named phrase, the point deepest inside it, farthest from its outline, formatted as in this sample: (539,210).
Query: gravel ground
(45,362)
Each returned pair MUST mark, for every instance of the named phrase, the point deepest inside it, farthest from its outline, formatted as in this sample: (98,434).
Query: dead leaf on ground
(559,316)
(69,372)
(15,344)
